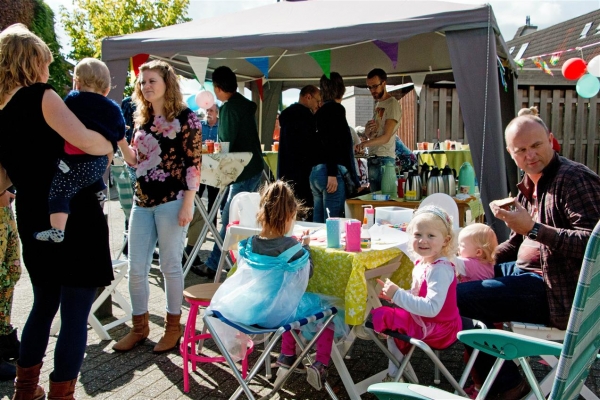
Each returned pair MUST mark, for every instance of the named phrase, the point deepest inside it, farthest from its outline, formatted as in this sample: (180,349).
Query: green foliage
(43,26)
(92,20)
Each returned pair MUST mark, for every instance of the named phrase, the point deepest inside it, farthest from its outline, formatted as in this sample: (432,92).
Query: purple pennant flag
(390,50)
(262,63)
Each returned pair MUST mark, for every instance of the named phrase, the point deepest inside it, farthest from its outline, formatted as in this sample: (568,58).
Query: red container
(210,146)
(401,187)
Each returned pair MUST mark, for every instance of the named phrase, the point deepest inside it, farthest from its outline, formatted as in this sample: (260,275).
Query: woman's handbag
(349,185)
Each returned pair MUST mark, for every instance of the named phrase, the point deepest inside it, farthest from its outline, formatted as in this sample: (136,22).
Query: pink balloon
(205,99)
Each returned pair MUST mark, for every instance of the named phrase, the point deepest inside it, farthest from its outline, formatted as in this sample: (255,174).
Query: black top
(27,142)
(333,143)
(296,147)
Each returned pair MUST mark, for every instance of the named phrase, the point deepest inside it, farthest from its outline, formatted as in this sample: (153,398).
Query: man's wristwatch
(533,233)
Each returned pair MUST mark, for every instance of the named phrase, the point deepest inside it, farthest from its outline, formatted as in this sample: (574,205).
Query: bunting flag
(418,79)
(390,50)
(323,58)
(262,63)
(554,59)
(520,62)
(541,64)
(134,63)
(502,73)
(199,66)
(259,84)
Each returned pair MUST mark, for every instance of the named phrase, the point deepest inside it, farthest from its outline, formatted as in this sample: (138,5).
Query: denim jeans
(375,164)
(146,226)
(249,185)
(323,200)
(75,304)
(514,295)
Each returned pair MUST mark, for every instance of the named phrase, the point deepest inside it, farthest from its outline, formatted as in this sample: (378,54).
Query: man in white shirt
(381,130)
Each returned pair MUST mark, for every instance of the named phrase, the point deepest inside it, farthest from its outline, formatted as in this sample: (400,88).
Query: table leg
(208,224)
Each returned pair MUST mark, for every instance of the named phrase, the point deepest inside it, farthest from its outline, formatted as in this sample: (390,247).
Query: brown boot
(172,334)
(26,384)
(136,335)
(62,390)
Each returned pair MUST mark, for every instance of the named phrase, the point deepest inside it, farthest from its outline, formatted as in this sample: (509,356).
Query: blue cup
(333,232)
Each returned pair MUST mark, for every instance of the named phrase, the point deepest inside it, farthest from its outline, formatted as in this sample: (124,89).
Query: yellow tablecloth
(270,158)
(341,274)
(439,158)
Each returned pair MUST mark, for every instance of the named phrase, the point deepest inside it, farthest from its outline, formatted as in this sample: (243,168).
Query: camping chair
(577,353)
(404,368)
(124,186)
(119,271)
(210,321)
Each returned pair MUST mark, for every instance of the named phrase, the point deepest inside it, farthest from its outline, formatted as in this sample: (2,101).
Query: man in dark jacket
(298,126)
(237,125)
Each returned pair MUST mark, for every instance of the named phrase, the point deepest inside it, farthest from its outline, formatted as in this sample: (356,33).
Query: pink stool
(200,296)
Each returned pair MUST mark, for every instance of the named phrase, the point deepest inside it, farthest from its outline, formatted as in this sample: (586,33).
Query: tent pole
(260,107)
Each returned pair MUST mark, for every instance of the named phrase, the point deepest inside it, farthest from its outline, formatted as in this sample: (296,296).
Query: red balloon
(574,68)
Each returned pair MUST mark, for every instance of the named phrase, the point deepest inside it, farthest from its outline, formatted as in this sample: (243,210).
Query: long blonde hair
(173,104)
(22,57)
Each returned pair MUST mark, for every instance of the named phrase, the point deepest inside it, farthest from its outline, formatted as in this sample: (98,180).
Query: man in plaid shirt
(551,221)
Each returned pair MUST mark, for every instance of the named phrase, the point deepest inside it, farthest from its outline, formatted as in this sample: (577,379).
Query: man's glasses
(373,87)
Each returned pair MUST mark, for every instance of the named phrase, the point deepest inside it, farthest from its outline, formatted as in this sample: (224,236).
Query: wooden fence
(574,121)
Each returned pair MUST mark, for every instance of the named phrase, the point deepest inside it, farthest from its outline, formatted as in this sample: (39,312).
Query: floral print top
(169,155)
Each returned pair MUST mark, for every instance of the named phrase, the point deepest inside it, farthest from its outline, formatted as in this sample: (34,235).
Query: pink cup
(353,228)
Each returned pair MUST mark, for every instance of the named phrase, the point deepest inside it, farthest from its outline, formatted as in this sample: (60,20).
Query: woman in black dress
(34,123)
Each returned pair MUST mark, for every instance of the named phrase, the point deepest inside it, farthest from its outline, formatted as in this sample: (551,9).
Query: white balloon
(593,66)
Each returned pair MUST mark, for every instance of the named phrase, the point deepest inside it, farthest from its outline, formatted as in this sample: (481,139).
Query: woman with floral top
(166,152)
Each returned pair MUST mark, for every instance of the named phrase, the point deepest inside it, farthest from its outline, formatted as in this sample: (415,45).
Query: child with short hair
(275,270)
(77,170)
(428,310)
(476,253)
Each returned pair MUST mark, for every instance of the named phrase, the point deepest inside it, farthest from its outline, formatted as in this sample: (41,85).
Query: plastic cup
(217,147)
(210,146)
(333,232)
(275,146)
(262,147)
(224,147)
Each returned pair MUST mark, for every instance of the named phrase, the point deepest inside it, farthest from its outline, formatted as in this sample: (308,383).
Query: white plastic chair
(243,209)
(446,203)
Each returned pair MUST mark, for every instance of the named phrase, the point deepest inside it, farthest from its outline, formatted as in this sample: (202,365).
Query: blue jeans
(75,304)
(375,173)
(249,185)
(146,226)
(323,200)
(513,295)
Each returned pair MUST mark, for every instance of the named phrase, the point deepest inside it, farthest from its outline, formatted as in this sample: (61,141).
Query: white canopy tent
(429,39)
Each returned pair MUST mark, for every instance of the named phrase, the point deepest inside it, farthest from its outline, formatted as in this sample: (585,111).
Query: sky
(510,15)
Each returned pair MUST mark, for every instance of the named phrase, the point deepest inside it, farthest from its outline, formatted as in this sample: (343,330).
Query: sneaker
(203,271)
(284,361)
(100,196)
(316,375)
(388,378)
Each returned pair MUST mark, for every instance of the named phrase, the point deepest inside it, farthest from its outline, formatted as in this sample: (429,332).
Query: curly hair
(443,224)
(277,205)
(173,104)
(23,56)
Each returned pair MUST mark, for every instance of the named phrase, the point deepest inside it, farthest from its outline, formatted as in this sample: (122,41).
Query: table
(351,277)
(439,158)
(218,170)
(354,207)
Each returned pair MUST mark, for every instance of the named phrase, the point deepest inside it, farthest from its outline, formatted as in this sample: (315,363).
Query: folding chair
(405,369)
(120,271)
(124,187)
(577,353)
(325,315)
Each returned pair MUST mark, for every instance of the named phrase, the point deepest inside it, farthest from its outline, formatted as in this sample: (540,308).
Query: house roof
(565,37)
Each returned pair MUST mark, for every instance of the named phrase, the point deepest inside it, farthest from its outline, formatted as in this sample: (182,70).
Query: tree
(92,20)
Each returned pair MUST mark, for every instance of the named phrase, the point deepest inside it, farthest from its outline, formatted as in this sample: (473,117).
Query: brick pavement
(141,375)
